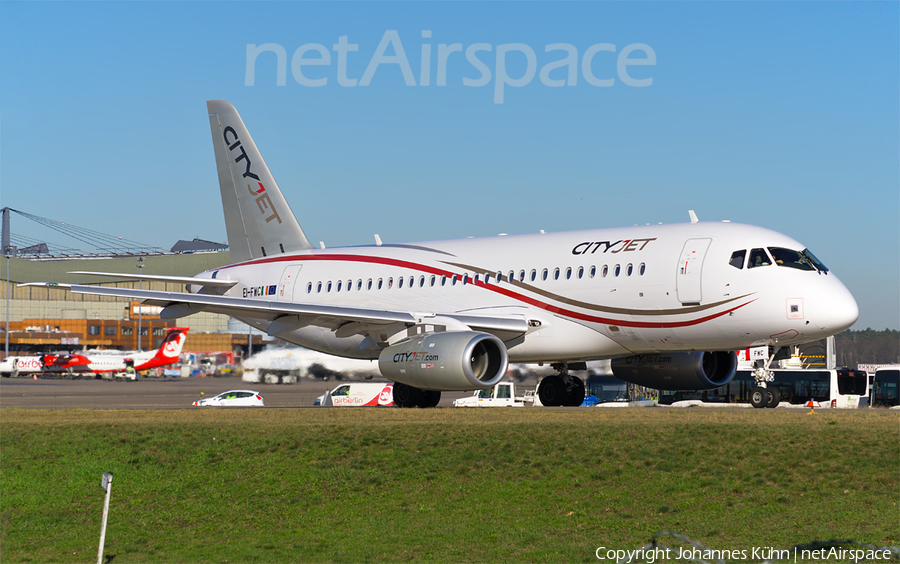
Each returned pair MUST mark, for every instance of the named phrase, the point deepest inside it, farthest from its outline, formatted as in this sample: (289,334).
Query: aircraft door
(688,273)
(288,278)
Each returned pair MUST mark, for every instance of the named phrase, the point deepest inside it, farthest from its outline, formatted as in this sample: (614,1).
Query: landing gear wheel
(552,391)
(406,396)
(575,395)
(430,398)
(759,397)
(773,398)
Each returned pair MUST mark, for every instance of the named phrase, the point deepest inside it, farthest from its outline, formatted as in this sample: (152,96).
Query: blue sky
(780,114)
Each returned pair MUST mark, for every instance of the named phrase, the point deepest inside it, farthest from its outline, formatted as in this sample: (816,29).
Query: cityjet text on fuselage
(623,245)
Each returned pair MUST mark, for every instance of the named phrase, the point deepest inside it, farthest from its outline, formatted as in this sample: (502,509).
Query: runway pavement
(156,393)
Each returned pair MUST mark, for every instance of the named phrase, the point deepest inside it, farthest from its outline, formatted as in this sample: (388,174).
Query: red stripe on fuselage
(495,288)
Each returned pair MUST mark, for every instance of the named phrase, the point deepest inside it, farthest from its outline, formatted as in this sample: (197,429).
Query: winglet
(44,285)
(693,216)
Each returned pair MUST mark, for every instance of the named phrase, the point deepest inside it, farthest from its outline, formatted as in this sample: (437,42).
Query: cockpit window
(737,259)
(815,262)
(758,257)
(790,258)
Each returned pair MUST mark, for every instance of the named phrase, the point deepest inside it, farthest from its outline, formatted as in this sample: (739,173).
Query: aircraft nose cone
(838,309)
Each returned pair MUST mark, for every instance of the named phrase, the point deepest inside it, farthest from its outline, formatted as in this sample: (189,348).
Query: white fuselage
(585,294)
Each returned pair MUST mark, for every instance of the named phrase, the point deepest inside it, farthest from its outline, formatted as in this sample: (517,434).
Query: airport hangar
(45,319)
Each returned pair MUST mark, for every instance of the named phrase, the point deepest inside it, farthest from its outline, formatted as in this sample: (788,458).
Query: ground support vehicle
(500,395)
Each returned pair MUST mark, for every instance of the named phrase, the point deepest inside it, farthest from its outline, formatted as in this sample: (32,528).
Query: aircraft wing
(286,316)
(155,278)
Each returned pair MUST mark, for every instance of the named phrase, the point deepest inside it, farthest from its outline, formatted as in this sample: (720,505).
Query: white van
(359,394)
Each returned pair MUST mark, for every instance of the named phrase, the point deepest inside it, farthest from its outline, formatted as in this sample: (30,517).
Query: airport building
(43,319)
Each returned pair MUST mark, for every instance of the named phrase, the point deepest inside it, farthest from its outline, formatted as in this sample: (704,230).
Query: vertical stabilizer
(169,350)
(258,219)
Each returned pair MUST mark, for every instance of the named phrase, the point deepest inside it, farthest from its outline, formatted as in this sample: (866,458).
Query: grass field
(390,485)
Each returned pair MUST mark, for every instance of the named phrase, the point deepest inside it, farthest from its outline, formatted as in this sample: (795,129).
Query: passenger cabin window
(791,259)
(758,257)
(737,259)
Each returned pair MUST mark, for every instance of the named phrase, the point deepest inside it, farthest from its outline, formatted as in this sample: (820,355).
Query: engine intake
(452,360)
(677,371)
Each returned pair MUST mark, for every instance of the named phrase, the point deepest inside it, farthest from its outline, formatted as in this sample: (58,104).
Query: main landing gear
(407,396)
(562,389)
(762,395)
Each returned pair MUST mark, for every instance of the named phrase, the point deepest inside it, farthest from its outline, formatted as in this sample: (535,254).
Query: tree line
(867,347)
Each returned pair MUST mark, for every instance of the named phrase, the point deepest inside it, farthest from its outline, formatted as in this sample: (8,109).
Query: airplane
(168,353)
(669,304)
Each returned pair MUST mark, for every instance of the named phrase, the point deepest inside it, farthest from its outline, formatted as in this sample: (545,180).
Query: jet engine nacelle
(677,371)
(451,360)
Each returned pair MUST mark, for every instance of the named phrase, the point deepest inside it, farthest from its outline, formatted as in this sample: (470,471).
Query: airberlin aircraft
(668,303)
(168,353)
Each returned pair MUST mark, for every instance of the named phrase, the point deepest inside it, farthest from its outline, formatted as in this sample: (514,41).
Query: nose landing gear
(762,395)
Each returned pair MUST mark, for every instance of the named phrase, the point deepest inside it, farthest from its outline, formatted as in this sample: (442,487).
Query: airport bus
(842,388)
(886,388)
(606,388)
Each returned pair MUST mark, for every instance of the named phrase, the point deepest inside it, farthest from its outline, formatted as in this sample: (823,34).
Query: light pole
(9,250)
(140,287)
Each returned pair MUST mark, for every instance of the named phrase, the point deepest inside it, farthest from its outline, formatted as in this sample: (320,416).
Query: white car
(236,398)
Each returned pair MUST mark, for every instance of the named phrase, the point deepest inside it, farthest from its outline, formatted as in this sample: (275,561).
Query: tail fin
(170,349)
(258,220)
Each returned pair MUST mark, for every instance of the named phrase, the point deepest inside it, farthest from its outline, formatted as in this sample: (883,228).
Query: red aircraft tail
(170,349)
